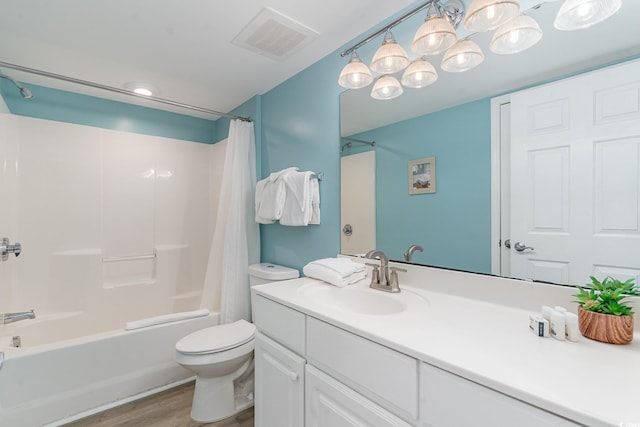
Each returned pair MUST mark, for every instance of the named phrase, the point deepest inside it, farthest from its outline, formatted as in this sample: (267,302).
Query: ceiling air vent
(274,35)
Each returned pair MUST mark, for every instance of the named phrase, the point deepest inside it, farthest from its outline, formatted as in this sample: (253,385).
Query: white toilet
(221,354)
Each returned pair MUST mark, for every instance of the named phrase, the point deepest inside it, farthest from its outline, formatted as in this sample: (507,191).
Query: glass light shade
(355,74)
(386,87)
(434,36)
(390,57)
(419,73)
(462,56)
(578,14)
(516,35)
(485,15)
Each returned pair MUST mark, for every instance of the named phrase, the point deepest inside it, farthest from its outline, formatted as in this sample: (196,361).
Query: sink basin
(356,300)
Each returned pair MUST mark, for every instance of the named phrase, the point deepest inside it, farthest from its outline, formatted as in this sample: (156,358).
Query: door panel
(575,177)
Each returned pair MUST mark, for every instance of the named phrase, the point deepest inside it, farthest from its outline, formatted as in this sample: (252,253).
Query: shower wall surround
(112,223)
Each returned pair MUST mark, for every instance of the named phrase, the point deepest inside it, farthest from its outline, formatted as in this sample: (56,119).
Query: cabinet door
(447,400)
(279,385)
(329,403)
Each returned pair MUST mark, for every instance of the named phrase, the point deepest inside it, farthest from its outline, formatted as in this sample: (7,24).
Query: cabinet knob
(293,376)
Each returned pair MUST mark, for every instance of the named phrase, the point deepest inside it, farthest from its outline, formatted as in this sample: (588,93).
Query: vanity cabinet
(447,400)
(330,403)
(312,373)
(279,385)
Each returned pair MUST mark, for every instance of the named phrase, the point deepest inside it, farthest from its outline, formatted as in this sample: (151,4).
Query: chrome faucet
(16,317)
(381,279)
(410,251)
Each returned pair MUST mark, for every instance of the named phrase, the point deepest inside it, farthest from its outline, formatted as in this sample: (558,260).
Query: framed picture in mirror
(422,175)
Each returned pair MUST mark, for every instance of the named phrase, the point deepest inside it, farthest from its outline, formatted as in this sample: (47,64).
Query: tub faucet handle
(6,249)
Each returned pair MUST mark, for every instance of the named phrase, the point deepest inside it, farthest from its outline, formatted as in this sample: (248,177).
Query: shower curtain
(236,238)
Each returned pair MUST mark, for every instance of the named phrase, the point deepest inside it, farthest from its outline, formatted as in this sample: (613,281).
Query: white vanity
(451,349)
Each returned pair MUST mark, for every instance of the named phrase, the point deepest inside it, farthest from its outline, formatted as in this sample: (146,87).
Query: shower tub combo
(124,236)
(57,382)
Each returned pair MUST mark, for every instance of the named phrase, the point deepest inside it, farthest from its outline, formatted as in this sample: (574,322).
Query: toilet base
(214,398)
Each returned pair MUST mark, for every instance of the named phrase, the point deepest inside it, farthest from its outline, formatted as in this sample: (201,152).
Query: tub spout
(15,317)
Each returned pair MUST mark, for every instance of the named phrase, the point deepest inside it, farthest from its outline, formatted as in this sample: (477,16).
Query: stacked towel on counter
(288,196)
(336,271)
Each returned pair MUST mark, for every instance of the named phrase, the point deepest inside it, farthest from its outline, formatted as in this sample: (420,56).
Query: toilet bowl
(220,355)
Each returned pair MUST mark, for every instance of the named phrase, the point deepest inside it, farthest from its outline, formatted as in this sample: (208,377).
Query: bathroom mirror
(454,225)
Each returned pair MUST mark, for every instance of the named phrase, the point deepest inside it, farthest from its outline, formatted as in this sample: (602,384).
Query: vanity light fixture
(419,73)
(386,87)
(578,14)
(462,56)
(355,74)
(435,35)
(515,35)
(485,15)
(390,57)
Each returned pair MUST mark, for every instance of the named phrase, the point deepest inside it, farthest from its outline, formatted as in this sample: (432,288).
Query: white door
(279,385)
(575,178)
(358,203)
(330,403)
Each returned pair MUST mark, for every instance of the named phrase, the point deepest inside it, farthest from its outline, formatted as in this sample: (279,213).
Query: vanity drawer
(383,375)
(279,322)
(447,400)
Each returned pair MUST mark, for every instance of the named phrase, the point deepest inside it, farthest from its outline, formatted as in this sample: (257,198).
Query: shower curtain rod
(118,90)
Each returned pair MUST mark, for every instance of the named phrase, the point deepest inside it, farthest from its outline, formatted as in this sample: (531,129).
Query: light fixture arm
(454,8)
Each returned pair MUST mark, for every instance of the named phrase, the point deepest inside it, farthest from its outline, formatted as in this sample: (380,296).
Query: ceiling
(183,48)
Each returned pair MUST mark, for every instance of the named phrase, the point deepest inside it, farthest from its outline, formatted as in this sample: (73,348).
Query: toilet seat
(217,339)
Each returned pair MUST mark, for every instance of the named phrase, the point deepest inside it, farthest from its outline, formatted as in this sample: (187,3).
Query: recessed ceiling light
(143,89)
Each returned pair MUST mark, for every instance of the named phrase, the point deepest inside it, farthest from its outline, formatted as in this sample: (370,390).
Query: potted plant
(603,313)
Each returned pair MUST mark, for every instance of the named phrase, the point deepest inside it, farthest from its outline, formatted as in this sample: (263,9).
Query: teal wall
(452,224)
(300,127)
(54,104)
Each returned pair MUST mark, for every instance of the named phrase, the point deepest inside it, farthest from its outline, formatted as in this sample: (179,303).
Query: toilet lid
(217,338)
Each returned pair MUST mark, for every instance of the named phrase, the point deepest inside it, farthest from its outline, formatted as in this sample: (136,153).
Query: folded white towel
(165,318)
(330,276)
(343,266)
(297,209)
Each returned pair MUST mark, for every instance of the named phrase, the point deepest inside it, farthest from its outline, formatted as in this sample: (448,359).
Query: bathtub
(58,382)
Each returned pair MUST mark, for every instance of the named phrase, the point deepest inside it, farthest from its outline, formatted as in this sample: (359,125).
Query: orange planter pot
(605,327)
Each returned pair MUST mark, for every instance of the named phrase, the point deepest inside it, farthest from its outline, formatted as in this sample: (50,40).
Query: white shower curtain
(236,239)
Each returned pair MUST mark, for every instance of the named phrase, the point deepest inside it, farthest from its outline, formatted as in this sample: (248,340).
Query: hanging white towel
(315,202)
(270,197)
(298,201)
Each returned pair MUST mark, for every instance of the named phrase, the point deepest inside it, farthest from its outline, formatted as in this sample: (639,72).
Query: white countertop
(592,383)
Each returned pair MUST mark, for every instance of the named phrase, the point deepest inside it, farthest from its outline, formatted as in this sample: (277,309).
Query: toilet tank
(267,272)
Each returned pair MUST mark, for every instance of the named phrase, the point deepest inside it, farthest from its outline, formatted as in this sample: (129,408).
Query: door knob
(347,230)
(521,247)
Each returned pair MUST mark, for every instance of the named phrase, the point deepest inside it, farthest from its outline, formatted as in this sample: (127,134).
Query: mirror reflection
(451,121)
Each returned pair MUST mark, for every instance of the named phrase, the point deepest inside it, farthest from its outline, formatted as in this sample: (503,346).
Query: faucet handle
(375,273)
(394,282)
